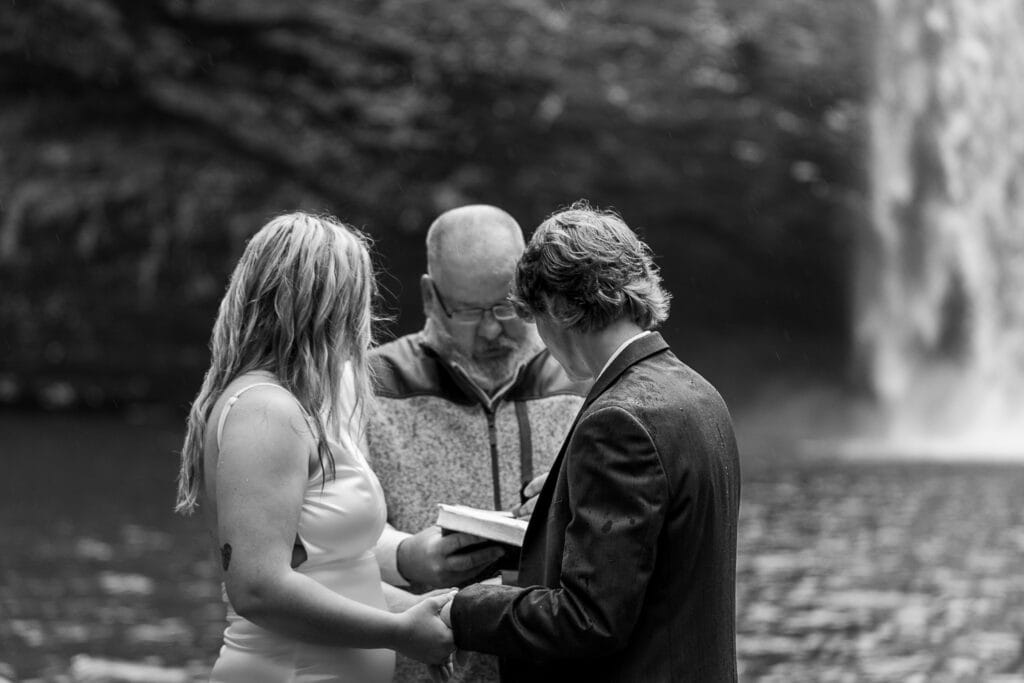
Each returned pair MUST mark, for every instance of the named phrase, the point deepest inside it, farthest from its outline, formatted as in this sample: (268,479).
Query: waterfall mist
(939,287)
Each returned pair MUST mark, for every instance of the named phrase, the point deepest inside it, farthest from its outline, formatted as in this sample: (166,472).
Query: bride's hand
(423,636)
(399,599)
(446,613)
(440,673)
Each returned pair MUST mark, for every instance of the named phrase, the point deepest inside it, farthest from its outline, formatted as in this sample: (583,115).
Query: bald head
(472,253)
(473,242)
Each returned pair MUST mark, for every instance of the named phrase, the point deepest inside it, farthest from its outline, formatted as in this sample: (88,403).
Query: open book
(496,525)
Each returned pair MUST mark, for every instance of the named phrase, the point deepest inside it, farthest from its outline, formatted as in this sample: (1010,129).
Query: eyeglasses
(502,312)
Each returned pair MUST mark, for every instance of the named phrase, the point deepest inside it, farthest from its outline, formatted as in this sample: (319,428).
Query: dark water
(92,559)
(847,571)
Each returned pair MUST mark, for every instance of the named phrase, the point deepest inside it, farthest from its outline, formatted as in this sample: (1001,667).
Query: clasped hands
(433,558)
(442,672)
(424,634)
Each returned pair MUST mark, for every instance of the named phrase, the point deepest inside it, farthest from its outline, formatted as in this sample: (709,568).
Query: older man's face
(490,349)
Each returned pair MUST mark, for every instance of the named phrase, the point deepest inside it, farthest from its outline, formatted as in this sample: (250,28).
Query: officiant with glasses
(471,410)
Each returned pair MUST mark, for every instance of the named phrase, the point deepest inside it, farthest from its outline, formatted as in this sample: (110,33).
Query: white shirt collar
(622,347)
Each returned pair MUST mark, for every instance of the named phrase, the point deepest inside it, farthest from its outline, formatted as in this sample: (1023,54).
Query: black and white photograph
(511,341)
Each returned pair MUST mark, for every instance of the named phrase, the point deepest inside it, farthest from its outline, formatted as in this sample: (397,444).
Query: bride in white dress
(271,459)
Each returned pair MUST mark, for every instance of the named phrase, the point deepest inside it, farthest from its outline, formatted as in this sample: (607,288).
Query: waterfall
(938,297)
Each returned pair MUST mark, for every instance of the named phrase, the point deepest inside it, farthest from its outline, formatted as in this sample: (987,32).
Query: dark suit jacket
(628,568)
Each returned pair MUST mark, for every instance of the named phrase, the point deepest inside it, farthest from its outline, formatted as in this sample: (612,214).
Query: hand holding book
(432,558)
(529,495)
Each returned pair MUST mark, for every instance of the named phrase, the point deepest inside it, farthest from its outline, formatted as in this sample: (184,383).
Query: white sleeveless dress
(339,525)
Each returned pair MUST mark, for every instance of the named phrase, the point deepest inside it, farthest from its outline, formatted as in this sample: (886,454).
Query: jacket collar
(466,384)
(644,347)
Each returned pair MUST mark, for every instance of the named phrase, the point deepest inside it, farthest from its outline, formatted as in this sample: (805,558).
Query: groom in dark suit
(627,571)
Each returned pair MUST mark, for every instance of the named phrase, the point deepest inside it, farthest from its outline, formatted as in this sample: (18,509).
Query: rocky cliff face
(140,143)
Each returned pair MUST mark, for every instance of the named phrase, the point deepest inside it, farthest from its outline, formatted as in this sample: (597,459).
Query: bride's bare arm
(261,477)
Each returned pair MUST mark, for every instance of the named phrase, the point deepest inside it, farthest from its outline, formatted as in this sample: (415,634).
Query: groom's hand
(433,559)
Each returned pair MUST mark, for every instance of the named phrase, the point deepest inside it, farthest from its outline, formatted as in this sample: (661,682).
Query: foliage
(141,142)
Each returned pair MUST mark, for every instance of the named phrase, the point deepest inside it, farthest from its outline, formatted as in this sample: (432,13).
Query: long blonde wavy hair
(298,306)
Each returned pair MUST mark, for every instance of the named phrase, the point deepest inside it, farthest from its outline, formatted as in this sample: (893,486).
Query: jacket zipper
(492,437)
(490,405)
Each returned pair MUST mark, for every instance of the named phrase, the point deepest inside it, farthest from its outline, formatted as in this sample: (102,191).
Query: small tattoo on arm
(225,556)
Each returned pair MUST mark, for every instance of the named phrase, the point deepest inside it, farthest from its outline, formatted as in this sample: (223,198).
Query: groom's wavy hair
(298,306)
(584,268)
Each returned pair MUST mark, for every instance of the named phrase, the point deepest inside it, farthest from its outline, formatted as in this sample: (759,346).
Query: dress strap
(234,399)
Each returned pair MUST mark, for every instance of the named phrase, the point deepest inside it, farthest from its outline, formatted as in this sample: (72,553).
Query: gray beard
(488,374)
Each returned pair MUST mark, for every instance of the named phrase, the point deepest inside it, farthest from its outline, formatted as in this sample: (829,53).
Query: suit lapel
(646,346)
(538,520)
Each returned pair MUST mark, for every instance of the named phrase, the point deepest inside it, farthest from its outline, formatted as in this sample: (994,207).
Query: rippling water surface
(92,559)
(847,571)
